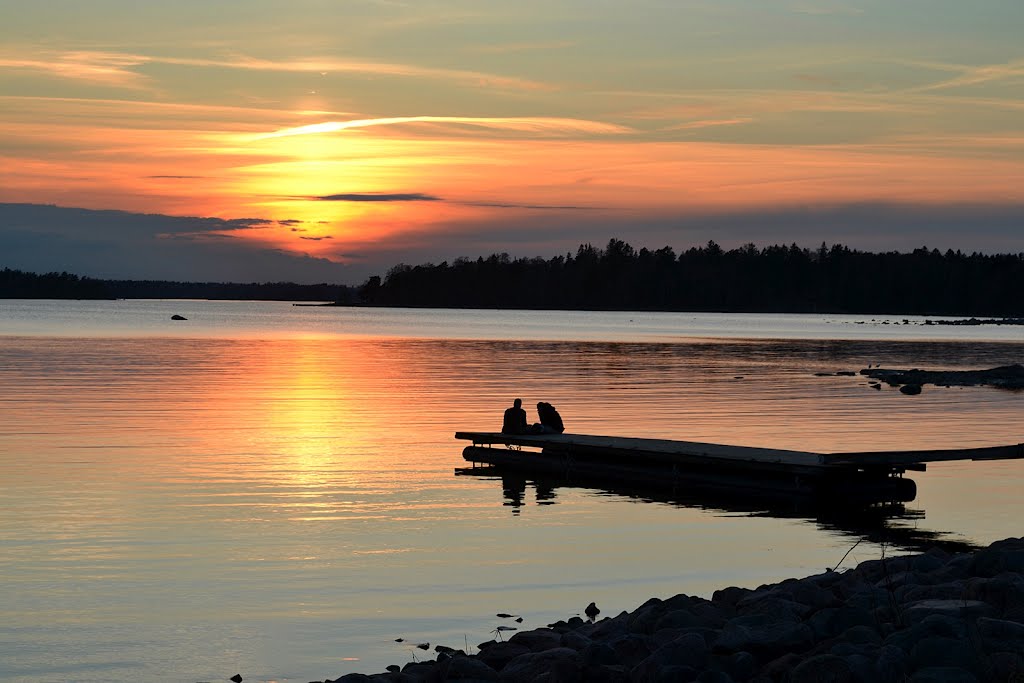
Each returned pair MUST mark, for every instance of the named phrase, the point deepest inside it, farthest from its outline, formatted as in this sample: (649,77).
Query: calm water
(270,490)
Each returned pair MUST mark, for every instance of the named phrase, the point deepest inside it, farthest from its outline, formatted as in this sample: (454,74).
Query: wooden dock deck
(661,460)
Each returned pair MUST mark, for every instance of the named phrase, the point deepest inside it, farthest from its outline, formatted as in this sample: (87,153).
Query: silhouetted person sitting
(550,420)
(515,419)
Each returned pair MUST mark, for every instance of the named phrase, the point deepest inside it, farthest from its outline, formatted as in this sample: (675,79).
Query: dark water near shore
(270,490)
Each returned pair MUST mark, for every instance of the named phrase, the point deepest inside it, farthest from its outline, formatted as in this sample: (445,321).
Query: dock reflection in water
(882,522)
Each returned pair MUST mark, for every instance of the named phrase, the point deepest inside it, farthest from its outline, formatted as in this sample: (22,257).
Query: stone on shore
(929,617)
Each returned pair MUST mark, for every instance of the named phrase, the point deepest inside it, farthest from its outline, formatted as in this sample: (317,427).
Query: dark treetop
(747,279)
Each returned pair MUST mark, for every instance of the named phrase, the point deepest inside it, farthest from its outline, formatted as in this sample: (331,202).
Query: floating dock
(875,475)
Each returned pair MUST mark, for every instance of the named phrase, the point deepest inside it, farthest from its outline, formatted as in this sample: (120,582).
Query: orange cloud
(521,124)
(116,68)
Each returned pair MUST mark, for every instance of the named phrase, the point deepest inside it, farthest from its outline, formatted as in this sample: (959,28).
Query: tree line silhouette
(778,278)
(708,278)
(16,284)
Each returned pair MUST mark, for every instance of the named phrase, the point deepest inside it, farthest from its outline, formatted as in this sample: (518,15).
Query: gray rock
(461,668)
(897,580)
(964,609)
(942,674)
(998,635)
(728,597)
(942,591)
(955,569)
(891,664)
(670,674)
(574,640)
(708,613)
(683,601)
(830,622)
(421,672)
(844,649)
(932,560)
(863,667)
(500,654)
(644,618)
(576,622)
(537,640)
(1001,556)
(777,607)
(605,674)
(607,628)
(910,389)
(713,676)
(826,579)
(631,649)
(822,668)
(935,625)
(944,652)
(862,635)
(690,650)
(1005,592)
(741,665)
(779,668)
(766,639)
(876,570)
(677,619)
(560,665)
(600,654)
(1005,666)
(667,635)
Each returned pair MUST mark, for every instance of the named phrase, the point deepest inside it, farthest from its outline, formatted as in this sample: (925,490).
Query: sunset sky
(327,140)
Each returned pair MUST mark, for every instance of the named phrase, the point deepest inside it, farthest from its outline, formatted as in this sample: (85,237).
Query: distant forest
(15,284)
(778,278)
(747,279)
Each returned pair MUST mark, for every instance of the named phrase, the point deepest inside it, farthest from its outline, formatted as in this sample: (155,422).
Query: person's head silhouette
(518,403)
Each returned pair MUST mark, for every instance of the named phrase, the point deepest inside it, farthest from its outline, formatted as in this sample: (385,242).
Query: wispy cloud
(540,125)
(504,48)
(976,75)
(825,7)
(537,207)
(379,197)
(111,69)
(709,123)
(118,69)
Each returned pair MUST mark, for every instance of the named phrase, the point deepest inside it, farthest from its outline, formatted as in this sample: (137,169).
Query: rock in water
(910,389)
(237,678)
(181,317)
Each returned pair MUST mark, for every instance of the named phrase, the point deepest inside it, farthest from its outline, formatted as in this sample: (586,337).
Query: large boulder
(830,622)
(964,609)
(631,649)
(689,651)
(1001,556)
(560,665)
(461,668)
(537,640)
(822,668)
(942,674)
(498,655)
(948,652)
(764,637)
(998,635)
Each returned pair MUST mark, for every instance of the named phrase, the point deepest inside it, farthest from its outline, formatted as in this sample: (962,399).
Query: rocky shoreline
(1003,377)
(929,617)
